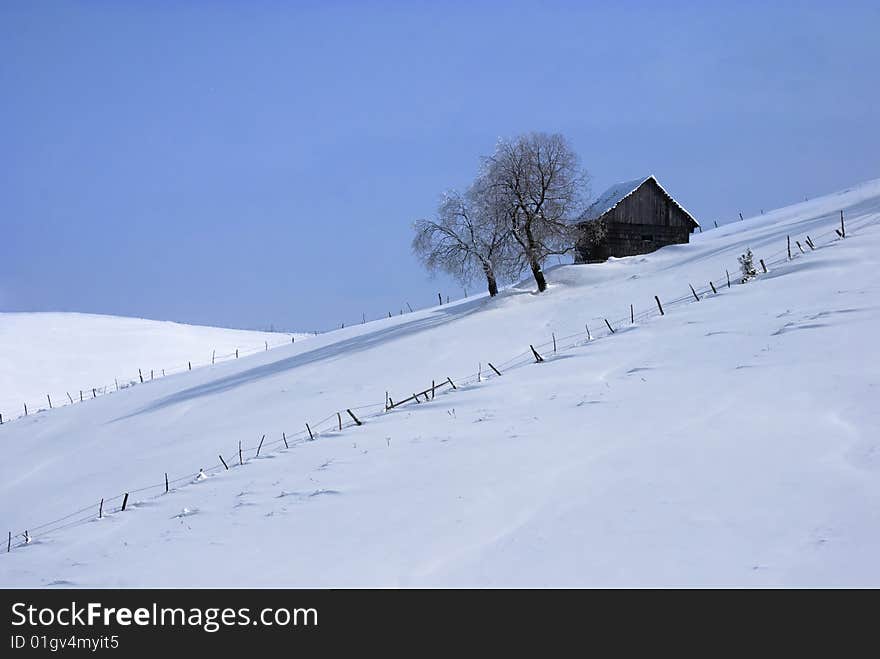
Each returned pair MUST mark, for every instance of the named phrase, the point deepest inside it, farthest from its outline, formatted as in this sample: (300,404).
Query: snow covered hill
(731,441)
(56,354)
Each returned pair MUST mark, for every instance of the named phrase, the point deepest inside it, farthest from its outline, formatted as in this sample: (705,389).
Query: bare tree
(463,241)
(536,184)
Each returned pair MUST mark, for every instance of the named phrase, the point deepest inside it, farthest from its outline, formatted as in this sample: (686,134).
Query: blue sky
(257,163)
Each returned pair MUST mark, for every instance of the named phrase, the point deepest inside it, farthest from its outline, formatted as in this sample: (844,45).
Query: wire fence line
(336,422)
(53,400)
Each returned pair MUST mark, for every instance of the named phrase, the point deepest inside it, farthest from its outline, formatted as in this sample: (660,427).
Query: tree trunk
(490,280)
(534,264)
(538,274)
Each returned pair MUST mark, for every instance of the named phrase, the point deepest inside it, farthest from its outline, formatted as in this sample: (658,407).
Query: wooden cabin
(634,217)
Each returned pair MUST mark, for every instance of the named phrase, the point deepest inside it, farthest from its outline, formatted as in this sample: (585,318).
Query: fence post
(696,297)
(140,375)
(713,288)
(49,398)
(764,267)
(788,246)
(842,226)
(609,325)
(441,299)
(497,372)
(124,502)
(356,420)
(339,419)
(311,436)
(553,334)
(798,242)
(189,366)
(432,389)
(451,383)
(589,336)
(213,355)
(632,315)
(538,358)
(166,482)
(25,409)
(240,459)
(101,509)
(659,306)
(261,445)
(728,278)
(224,462)
(236,353)
(284,437)
(9,543)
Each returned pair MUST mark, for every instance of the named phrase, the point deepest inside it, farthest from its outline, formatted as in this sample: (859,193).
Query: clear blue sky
(247,163)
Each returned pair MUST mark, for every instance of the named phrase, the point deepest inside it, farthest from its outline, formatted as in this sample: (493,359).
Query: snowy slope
(732,441)
(60,353)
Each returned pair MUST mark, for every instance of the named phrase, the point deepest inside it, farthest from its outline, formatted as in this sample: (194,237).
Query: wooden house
(635,217)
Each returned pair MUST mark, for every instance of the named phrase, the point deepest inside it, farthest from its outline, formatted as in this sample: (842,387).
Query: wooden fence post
(25,409)
(339,418)
(538,358)
(696,297)
(589,336)
(213,355)
(240,459)
(632,315)
(141,376)
(284,437)
(433,386)
(224,462)
(728,278)
(609,326)
(713,288)
(101,509)
(764,267)
(261,445)
(356,420)
(497,372)
(49,398)
(311,436)
(788,246)
(124,502)
(810,243)
(189,366)
(236,353)
(479,371)
(166,482)
(80,395)
(451,383)
(740,217)
(659,306)
(553,334)
(71,399)
(441,299)
(799,246)
(842,226)
(9,543)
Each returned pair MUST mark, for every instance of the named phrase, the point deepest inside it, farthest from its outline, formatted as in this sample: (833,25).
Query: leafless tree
(463,241)
(536,184)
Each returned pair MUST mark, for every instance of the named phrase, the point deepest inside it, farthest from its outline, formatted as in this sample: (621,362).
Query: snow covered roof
(620,191)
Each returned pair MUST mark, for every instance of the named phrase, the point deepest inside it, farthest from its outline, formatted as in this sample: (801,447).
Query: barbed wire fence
(337,422)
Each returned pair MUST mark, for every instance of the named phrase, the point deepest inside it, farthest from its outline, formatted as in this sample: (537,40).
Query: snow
(732,441)
(620,191)
(59,353)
